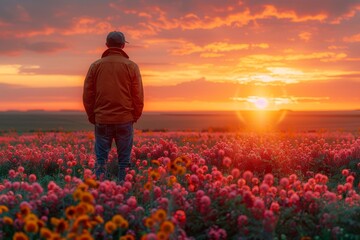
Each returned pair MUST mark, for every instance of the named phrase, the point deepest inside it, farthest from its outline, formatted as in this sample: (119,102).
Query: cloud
(214,49)
(45,47)
(353,38)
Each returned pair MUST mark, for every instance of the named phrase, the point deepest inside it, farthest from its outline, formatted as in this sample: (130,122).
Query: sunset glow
(196,56)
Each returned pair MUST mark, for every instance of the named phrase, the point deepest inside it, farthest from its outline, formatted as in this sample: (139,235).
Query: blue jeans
(104,134)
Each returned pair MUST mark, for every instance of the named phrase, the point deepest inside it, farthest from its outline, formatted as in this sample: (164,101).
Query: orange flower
(86,207)
(62,226)
(148,186)
(7,220)
(117,219)
(91,183)
(55,236)
(124,224)
(77,194)
(154,175)
(162,235)
(160,215)
(98,219)
(82,221)
(181,170)
(127,237)
(155,162)
(80,209)
(167,227)
(3,208)
(83,187)
(45,233)
(86,197)
(24,210)
(30,217)
(172,180)
(85,236)
(70,212)
(110,227)
(20,236)
(54,221)
(149,222)
(31,226)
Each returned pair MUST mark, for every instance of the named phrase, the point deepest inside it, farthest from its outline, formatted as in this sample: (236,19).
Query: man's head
(115,39)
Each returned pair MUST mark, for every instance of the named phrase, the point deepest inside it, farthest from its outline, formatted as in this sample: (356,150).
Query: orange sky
(193,55)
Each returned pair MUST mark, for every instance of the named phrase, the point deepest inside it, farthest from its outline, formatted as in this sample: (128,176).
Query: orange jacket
(113,90)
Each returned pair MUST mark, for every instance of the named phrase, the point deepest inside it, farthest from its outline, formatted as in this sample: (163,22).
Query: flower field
(182,185)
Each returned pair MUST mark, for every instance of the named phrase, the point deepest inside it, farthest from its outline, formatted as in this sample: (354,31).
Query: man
(113,99)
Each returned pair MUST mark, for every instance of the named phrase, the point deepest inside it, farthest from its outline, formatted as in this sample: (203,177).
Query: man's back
(116,84)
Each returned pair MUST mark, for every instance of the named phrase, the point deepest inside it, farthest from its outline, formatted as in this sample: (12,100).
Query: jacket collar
(113,51)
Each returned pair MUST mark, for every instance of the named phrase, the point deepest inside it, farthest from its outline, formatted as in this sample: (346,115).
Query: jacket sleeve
(137,93)
(89,95)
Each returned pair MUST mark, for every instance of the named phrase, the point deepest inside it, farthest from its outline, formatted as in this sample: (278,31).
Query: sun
(261,103)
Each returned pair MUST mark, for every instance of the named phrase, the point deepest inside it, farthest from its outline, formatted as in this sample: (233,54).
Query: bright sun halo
(261,103)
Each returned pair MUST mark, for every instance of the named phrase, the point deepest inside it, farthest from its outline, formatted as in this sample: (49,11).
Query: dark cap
(115,39)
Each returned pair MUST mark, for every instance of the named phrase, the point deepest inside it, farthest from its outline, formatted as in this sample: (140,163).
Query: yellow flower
(110,227)
(31,226)
(167,227)
(20,236)
(160,215)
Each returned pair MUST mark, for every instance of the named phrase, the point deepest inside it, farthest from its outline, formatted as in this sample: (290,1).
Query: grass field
(191,121)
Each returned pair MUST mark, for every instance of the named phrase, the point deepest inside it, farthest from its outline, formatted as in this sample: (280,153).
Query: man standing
(113,99)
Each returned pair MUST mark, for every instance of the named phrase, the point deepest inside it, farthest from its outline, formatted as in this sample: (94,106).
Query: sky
(193,55)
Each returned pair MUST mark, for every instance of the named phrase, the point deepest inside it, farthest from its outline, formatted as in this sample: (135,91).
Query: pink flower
(205,201)
(32,178)
(269,179)
(12,173)
(226,161)
(248,175)
(21,169)
(345,172)
(275,207)
(284,182)
(350,179)
(242,221)
(67,178)
(235,172)
(132,202)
